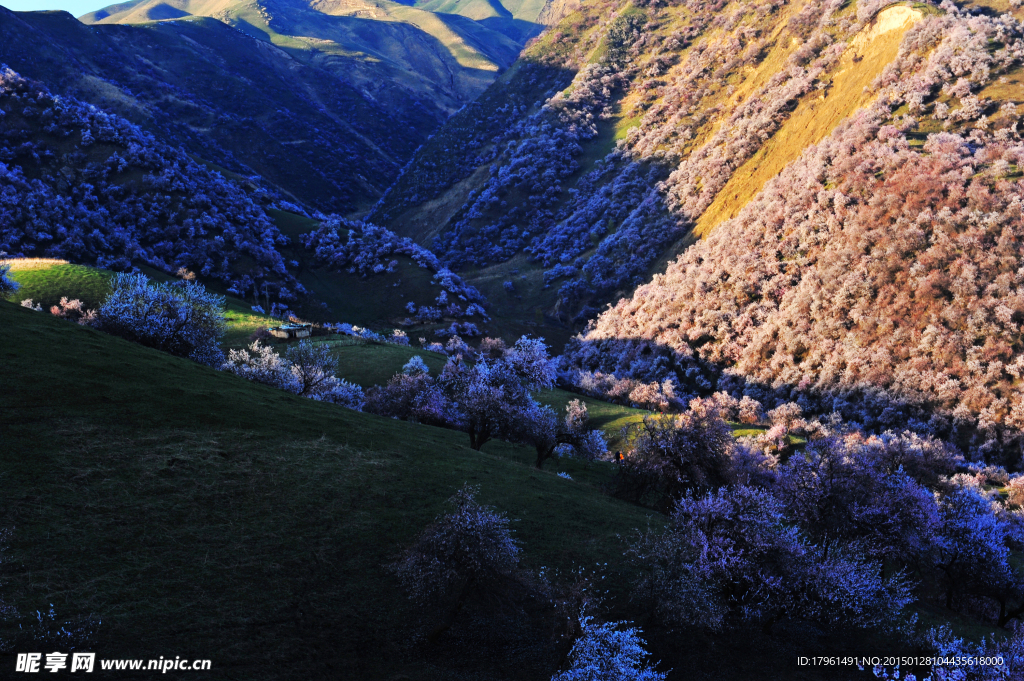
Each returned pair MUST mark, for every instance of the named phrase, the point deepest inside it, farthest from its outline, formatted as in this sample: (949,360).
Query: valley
(539,339)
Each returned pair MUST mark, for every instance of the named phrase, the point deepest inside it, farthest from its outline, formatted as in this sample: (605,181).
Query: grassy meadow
(193,513)
(198,514)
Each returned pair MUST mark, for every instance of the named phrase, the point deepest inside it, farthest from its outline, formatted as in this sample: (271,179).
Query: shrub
(1006,658)
(306,369)
(972,556)
(414,366)
(261,364)
(73,311)
(672,453)
(541,428)
(413,396)
(181,318)
(733,555)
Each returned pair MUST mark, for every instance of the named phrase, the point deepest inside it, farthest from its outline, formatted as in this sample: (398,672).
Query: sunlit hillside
(654,125)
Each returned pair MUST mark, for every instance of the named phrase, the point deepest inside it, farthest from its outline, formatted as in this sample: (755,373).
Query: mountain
(836,188)
(235,102)
(397,54)
(81,184)
(878,275)
(653,124)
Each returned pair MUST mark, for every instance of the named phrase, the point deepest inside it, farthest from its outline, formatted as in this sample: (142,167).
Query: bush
(181,318)
(413,396)
(733,555)
(7,285)
(671,454)
(314,369)
(414,366)
(306,369)
(73,311)
(542,429)
(261,364)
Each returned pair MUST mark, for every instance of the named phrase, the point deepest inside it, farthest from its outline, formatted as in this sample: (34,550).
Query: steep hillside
(879,274)
(659,122)
(423,59)
(291,509)
(518,19)
(80,184)
(236,102)
(279,515)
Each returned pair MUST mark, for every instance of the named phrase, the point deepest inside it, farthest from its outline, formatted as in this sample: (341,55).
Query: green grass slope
(199,515)
(368,364)
(376,301)
(362,362)
(196,513)
(45,282)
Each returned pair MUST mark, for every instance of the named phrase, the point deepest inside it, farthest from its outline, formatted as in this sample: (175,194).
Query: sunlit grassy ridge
(816,116)
(365,363)
(45,281)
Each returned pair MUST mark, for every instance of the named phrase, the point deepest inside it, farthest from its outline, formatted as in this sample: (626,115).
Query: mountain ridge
(446,57)
(234,101)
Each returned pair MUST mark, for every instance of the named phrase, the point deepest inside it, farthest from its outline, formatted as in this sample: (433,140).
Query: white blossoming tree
(467,552)
(306,369)
(7,285)
(608,652)
(181,318)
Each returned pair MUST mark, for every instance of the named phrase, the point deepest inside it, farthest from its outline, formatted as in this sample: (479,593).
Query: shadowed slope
(382,48)
(288,508)
(237,102)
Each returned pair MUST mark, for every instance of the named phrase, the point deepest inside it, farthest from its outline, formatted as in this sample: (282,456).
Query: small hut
(292,331)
